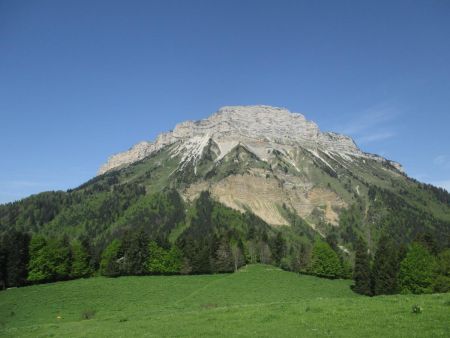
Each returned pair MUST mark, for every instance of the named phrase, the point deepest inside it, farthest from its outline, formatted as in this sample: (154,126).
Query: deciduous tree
(80,261)
(418,270)
(324,261)
(49,259)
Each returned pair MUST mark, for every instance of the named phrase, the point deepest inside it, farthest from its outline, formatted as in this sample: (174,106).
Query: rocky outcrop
(135,153)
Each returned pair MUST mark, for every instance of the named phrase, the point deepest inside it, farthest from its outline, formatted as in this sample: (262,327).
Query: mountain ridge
(277,128)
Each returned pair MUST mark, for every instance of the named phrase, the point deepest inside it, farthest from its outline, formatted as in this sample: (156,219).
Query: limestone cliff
(258,128)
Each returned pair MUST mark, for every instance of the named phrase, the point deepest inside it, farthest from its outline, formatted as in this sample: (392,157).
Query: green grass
(257,301)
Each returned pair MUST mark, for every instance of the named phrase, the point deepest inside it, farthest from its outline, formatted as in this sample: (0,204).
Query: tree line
(216,239)
(417,268)
(420,267)
(162,235)
(38,259)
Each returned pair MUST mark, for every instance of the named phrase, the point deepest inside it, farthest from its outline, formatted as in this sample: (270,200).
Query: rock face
(260,129)
(136,153)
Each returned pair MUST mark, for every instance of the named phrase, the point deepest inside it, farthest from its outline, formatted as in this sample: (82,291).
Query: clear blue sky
(81,80)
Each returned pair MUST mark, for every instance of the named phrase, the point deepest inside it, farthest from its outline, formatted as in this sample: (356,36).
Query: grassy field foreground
(256,301)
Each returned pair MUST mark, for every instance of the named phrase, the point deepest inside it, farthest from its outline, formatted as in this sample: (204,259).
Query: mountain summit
(259,129)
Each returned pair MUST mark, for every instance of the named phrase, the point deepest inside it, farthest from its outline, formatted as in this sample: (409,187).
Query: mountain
(271,161)
(265,169)
(261,157)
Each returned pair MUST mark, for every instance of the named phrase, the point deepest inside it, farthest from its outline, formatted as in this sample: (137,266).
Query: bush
(416,309)
(88,314)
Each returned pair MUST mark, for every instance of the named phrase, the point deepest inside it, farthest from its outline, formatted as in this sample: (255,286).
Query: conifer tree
(361,271)
(135,253)
(332,241)
(197,253)
(200,244)
(385,267)
(278,248)
(204,208)
(428,241)
(16,246)
(223,258)
(201,262)
(3,260)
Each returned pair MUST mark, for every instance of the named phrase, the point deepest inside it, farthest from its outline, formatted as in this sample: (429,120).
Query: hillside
(257,301)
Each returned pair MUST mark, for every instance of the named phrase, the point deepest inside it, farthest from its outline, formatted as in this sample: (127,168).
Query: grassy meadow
(259,301)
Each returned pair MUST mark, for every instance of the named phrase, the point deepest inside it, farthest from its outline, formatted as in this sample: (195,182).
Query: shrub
(88,314)
(416,309)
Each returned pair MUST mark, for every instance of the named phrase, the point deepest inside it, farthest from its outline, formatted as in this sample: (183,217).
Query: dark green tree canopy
(361,271)
(385,267)
(14,247)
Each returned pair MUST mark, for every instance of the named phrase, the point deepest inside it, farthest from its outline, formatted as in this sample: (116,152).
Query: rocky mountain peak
(259,128)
